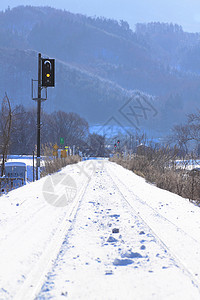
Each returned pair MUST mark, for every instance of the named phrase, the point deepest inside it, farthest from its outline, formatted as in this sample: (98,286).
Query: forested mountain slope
(99,63)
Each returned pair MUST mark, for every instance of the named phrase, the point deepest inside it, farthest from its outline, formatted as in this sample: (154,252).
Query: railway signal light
(48,72)
(118,142)
(115,145)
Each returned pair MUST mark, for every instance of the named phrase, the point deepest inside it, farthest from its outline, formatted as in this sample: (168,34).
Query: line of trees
(18,131)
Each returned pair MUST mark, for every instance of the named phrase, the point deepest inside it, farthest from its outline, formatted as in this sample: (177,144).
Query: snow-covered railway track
(173,238)
(134,258)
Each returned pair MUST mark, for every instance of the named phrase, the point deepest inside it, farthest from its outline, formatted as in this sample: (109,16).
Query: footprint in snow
(115,216)
(109,272)
(122,262)
(65,294)
(142,241)
(111,239)
(143,247)
(142,232)
(115,230)
(130,254)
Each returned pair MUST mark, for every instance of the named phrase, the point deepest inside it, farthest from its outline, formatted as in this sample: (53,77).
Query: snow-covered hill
(98,231)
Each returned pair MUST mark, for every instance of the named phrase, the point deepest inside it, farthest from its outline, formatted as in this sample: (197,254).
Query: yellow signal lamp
(48,75)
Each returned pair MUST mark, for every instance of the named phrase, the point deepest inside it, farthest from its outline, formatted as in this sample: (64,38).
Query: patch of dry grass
(160,169)
(53,164)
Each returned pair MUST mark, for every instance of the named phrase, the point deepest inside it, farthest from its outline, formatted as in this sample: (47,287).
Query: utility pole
(38,117)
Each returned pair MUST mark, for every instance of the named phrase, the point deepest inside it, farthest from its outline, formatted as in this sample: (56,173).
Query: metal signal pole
(38,117)
(46,78)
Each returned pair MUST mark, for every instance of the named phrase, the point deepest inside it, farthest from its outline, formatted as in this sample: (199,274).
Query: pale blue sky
(182,12)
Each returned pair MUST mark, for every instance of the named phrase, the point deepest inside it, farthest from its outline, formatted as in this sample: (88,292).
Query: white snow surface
(95,230)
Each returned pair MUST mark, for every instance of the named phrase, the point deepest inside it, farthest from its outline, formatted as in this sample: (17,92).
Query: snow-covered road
(106,235)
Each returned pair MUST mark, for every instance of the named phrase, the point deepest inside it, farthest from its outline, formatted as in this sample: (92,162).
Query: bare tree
(70,126)
(23,132)
(5,129)
(181,135)
(194,125)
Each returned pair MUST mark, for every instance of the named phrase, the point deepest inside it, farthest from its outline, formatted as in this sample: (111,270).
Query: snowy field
(97,231)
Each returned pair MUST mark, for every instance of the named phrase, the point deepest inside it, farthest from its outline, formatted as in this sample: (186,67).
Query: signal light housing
(48,72)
